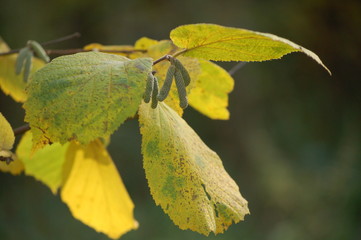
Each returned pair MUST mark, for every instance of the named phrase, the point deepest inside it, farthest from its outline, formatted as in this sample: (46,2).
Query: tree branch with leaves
(75,102)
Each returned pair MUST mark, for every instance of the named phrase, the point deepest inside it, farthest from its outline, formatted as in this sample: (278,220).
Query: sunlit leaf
(10,83)
(84,96)
(144,43)
(7,137)
(114,49)
(45,164)
(210,93)
(95,192)
(219,43)
(15,167)
(186,178)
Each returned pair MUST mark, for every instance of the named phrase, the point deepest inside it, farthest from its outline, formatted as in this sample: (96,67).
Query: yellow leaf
(45,164)
(111,48)
(144,43)
(15,167)
(10,83)
(95,192)
(210,93)
(219,43)
(7,137)
(185,177)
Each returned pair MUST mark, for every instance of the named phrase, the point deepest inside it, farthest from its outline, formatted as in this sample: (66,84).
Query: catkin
(39,50)
(155,93)
(164,91)
(148,88)
(21,59)
(182,93)
(27,65)
(183,71)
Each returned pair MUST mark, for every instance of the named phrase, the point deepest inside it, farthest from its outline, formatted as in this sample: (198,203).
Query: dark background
(293,143)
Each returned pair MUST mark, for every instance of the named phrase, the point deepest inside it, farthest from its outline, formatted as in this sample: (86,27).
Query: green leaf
(84,96)
(219,43)
(45,164)
(10,83)
(185,177)
(210,93)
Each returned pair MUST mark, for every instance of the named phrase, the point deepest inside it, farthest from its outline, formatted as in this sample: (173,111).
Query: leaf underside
(94,191)
(45,164)
(210,93)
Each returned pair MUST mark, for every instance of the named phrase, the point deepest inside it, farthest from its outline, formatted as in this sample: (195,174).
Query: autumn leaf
(45,164)
(219,43)
(185,177)
(210,93)
(113,49)
(10,83)
(7,139)
(84,96)
(94,191)
(145,43)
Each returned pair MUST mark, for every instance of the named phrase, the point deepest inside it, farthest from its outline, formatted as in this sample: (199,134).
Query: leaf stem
(167,57)
(179,53)
(21,130)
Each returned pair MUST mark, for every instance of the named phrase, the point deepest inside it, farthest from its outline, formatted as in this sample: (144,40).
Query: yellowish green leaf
(84,96)
(210,93)
(10,83)
(219,43)
(95,192)
(186,178)
(45,164)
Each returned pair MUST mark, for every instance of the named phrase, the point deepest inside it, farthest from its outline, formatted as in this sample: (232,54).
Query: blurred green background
(293,143)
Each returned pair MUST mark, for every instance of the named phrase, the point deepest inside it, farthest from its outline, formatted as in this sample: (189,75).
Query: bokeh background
(293,143)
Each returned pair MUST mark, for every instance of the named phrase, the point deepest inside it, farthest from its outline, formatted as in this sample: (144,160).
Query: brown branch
(165,57)
(21,130)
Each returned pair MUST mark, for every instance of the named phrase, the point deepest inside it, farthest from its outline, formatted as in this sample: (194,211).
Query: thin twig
(21,130)
(236,67)
(62,39)
(74,35)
